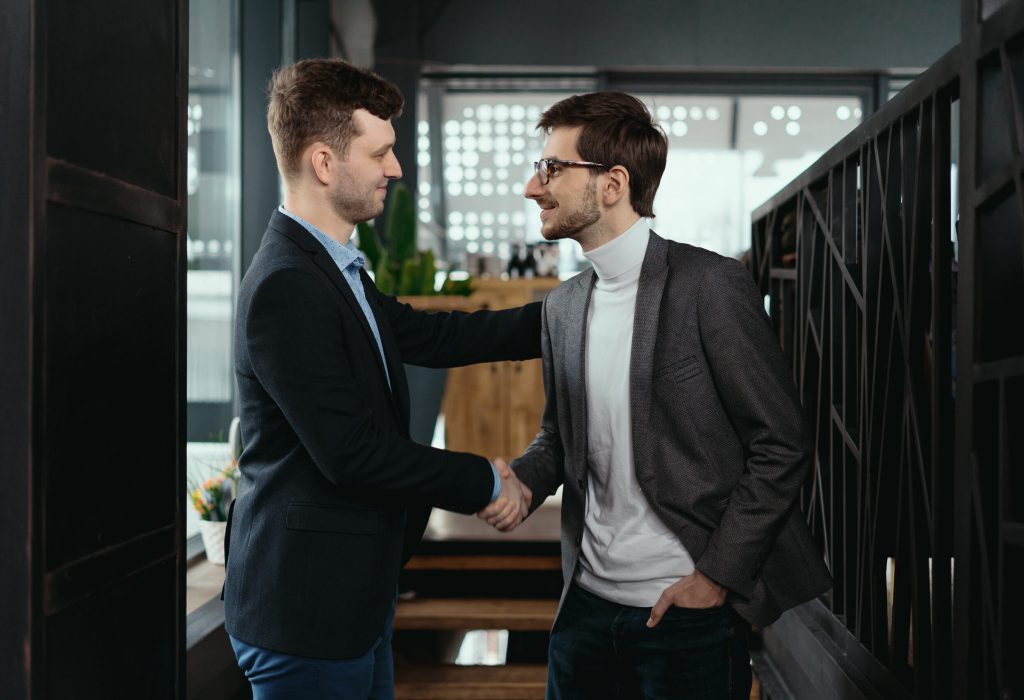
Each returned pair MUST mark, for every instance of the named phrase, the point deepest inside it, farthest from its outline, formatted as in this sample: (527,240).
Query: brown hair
(313,100)
(617,130)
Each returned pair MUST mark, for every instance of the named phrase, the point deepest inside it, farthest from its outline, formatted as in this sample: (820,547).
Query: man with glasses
(672,424)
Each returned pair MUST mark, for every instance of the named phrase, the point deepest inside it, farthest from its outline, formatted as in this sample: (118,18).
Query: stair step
(475,614)
(483,562)
(516,682)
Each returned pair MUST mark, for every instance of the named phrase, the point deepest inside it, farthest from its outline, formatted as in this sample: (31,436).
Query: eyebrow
(385,148)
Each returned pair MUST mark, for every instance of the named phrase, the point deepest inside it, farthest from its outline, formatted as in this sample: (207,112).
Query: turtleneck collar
(623,253)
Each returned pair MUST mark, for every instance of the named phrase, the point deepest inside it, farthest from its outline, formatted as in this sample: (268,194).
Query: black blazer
(333,493)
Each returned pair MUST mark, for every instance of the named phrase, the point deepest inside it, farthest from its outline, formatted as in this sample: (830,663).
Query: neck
(320,213)
(612,225)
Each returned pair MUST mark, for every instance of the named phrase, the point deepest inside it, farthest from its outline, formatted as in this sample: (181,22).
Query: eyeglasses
(546,167)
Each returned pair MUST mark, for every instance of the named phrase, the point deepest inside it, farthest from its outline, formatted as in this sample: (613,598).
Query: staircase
(445,681)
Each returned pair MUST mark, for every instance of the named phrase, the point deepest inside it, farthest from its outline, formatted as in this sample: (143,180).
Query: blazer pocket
(313,518)
(685,373)
(678,366)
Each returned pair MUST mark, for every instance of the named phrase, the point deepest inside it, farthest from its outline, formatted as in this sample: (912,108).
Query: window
(728,153)
(213,182)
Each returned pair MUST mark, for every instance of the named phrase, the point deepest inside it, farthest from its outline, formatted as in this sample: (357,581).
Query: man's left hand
(693,591)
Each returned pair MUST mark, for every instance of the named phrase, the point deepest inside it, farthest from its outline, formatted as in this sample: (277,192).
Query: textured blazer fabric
(719,441)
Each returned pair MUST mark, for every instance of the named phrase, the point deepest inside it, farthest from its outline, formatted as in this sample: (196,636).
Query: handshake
(512,504)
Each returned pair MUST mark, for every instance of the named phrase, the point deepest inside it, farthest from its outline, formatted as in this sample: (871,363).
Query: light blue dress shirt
(349,261)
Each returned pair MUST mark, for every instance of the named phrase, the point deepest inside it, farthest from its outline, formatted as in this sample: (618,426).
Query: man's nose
(533,187)
(392,168)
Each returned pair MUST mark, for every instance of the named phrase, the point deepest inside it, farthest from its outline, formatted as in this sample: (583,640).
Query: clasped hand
(512,504)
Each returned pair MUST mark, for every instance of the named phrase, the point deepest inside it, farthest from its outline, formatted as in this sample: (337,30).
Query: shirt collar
(623,253)
(342,255)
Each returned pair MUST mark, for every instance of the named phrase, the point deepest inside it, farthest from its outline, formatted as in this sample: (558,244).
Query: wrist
(496,490)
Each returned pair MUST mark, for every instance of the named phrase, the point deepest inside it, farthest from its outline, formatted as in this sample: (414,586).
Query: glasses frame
(544,173)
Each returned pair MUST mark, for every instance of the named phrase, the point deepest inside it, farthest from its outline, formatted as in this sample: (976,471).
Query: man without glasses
(333,493)
(673,425)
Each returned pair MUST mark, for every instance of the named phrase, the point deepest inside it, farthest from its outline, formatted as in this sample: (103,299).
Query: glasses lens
(541,168)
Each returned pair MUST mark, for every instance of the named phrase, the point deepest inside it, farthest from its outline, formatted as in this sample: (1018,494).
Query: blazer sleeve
(457,338)
(757,391)
(542,465)
(298,351)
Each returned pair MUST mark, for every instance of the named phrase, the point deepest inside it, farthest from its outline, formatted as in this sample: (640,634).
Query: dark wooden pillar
(92,293)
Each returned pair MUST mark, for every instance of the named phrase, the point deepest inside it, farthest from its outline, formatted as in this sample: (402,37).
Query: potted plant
(211,499)
(401,270)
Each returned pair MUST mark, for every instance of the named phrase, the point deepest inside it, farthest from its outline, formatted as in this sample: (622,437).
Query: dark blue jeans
(278,676)
(603,650)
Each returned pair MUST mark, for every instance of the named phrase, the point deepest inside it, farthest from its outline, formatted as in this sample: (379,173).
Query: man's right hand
(512,504)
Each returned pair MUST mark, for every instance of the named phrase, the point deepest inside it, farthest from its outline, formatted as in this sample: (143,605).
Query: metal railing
(894,268)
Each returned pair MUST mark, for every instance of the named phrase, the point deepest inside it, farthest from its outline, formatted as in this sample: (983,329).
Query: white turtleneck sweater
(628,556)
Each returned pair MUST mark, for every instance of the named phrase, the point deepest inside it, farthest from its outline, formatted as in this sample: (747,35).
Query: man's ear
(617,186)
(324,162)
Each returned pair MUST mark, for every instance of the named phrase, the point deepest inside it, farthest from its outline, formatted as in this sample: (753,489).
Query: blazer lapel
(292,230)
(653,274)
(391,354)
(575,335)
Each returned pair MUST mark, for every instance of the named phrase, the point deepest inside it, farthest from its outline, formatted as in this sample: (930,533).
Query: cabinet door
(526,404)
(476,409)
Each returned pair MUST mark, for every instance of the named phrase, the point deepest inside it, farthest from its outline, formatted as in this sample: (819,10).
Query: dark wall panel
(86,644)
(260,56)
(111,88)
(110,307)
(16,149)
(739,34)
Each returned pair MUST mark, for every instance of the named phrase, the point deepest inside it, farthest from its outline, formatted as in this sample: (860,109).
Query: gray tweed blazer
(719,440)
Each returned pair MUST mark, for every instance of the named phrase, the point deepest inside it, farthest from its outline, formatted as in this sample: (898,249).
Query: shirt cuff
(497,483)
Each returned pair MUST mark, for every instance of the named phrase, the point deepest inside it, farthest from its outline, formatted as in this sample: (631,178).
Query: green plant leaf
(457,287)
(401,225)
(383,277)
(427,272)
(369,244)
(411,272)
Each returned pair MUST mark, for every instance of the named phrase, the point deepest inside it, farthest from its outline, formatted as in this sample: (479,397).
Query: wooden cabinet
(494,409)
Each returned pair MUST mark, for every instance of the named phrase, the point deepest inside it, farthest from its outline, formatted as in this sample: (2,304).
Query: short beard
(586,214)
(353,206)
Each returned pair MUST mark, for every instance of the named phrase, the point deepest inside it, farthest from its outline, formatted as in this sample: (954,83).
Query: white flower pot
(213,540)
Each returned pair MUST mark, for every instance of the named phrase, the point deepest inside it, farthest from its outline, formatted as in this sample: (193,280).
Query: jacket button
(580,482)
